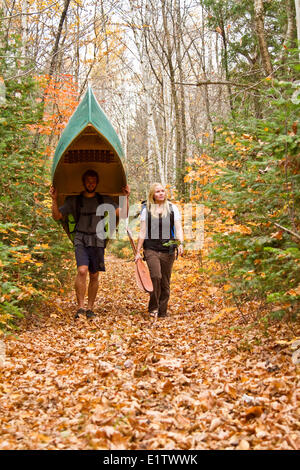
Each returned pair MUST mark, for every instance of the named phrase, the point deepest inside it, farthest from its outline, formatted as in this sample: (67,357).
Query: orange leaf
(253,412)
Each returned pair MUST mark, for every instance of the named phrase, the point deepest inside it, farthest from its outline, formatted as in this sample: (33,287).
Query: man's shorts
(91,256)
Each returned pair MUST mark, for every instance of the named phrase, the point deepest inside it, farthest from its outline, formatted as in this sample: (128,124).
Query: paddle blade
(138,279)
(144,276)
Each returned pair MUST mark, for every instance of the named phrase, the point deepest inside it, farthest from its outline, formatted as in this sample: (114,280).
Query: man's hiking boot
(90,314)
(79,312)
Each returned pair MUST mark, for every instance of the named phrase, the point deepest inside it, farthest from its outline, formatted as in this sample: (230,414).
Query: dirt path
(122,382)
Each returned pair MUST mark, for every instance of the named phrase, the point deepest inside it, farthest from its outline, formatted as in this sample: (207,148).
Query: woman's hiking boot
(162,315)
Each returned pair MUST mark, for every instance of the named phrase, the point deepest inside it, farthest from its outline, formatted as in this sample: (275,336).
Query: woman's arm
(141,239)
(179,236)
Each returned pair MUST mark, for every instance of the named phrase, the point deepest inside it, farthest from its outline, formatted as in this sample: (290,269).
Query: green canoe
(88,142)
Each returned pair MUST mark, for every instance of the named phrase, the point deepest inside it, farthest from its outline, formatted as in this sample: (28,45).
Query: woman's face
(159,194)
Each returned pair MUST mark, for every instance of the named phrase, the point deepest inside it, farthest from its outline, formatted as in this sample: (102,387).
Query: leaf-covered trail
(122,382)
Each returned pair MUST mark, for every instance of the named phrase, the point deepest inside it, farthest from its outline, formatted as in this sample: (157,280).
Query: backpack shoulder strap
(78,206)
(172,220)
(99,198)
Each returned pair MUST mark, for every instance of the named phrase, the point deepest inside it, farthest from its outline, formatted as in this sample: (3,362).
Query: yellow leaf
(231,391)
(217,317)
(221,314)
(243,445)
(226,287)
(244,379)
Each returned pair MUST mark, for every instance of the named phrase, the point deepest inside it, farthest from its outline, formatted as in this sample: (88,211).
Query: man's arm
(56,214)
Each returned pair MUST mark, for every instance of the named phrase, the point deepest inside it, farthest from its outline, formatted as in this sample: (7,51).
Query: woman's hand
(180,249)
(137,257)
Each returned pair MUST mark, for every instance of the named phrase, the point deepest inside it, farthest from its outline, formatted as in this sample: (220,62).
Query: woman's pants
(160,266)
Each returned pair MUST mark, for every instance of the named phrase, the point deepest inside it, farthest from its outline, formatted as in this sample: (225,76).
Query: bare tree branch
(209,82)
(29,14)
(297,235)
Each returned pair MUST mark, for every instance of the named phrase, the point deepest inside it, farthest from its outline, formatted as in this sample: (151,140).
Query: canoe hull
(88,142)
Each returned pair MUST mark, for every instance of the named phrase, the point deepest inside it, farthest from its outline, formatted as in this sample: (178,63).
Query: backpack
(72,219)
(171,244)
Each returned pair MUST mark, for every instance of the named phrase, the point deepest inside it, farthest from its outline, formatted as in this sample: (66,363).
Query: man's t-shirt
(86,226)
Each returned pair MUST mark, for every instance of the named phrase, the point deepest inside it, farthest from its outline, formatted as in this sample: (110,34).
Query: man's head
(90,180)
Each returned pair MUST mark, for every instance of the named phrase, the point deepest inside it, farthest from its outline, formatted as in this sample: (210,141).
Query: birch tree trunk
(171,68)
(182,107)
(149,102)
(24,29)
(260,31)
(297,6)
(291,32)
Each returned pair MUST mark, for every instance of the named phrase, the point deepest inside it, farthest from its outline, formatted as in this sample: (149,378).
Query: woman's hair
(152,206)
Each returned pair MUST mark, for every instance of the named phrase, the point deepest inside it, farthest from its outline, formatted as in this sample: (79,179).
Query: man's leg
(93,289)
(82,261)
(96,264)
(80,285)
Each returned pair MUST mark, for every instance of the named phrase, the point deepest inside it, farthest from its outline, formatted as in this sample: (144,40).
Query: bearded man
(89,246)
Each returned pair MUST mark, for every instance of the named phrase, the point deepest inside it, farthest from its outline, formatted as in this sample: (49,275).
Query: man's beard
(89,190)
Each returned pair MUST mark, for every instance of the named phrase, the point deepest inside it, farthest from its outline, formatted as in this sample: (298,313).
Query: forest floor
(201,378)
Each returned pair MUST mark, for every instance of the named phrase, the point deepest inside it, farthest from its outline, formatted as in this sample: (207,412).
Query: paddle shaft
(134,249)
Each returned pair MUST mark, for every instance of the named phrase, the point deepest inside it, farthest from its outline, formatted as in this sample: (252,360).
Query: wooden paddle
(142,274)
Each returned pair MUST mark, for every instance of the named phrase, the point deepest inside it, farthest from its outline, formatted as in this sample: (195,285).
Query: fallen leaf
(253,412)
(243,445)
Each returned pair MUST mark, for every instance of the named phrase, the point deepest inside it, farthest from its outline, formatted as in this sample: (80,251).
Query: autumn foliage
(29,243)
(248,179)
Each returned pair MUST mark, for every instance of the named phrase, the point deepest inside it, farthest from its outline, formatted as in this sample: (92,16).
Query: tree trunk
(24,30)
(57,39)
(224,39)
(260,31)
(291,32)
(182,110)
(174,97)
(52,67)
(297,6)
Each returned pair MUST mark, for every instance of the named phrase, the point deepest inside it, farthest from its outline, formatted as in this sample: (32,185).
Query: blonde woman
(157,237)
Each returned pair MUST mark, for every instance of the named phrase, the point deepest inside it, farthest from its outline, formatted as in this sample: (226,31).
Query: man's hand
(122,211)
(53,192)
(137,257)
(126,190)
(56,214)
